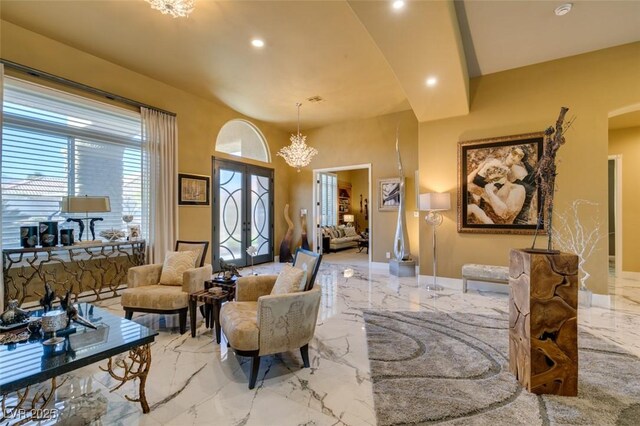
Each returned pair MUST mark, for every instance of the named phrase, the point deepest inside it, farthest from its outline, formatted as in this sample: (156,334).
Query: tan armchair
(258,323)
(145,294)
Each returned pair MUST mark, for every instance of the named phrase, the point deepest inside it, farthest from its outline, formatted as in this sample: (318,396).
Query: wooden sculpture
(285,245)
(303,221)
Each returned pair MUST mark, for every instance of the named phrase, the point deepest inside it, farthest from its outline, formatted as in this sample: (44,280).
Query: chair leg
(255,366)
(304,351)
(183,321)
(128,314)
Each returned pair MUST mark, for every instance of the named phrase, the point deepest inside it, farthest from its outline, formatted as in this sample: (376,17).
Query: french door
(242,213)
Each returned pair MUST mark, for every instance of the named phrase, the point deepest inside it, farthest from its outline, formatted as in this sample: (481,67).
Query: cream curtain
(160,171)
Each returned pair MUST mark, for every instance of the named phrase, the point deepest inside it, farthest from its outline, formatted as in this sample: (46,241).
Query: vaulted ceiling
(363,58)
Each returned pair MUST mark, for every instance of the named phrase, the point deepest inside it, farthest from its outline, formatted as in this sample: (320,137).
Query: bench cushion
(486,272)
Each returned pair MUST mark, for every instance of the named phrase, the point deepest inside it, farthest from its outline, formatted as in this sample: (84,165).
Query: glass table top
(23,364)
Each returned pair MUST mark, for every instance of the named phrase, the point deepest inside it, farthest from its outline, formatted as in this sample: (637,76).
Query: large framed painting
(497,191)
(193,190)
(388,194)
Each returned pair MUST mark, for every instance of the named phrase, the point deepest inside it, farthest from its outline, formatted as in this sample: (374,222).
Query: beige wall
(626,142)
(527,100)
(368,141)
(359,180)
(199,120)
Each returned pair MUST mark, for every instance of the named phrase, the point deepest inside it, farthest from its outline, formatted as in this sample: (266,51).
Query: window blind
(57,144)
(328,199)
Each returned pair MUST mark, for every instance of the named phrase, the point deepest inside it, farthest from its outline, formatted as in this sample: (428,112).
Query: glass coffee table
(23,365)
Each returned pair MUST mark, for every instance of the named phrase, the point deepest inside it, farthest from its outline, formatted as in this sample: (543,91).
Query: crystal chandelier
(175,8)
(298,154)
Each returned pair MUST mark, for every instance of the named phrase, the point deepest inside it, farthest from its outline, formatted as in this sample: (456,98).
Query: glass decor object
(175,8)
(298,154)
(48,234)
(28,236)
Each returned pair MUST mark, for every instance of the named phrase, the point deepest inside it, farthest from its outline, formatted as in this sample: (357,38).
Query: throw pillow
(341,232)
(175,263)
(350,231)
(290,280)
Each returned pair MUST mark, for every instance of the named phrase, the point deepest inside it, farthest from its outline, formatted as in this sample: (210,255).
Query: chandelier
(298,154)
(175,8)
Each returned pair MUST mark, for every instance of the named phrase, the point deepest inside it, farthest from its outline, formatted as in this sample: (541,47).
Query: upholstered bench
(491,273)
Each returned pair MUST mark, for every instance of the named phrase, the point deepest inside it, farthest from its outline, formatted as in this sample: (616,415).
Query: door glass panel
(230,205)
(260,227)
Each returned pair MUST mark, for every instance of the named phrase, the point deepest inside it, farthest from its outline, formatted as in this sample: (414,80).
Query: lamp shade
(348,218)
(85,204)
(435,201)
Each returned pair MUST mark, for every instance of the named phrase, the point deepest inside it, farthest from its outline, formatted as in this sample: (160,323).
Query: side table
(209,299)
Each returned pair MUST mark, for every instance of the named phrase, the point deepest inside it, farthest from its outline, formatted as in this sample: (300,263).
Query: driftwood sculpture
(401,240)
(545,175)
(303,222)
(285,245)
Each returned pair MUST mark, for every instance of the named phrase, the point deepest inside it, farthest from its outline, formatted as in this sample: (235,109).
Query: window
(57,144)
(243,139)
(328,199)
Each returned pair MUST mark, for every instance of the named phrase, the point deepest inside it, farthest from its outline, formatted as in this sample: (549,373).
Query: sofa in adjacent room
(341,237)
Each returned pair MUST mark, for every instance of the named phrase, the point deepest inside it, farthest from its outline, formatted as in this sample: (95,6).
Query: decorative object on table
(303,234)
(193,190)
(287,240)
(175,8)
(46,301)
(72,312)
(252,251)
(28,236)
(497,191)
(434,203)
(112,234)
(388,194)
(545,176)
(85,204)
(54,321)
(66,237)
(298,154)
(348,219)
(543,326)
(13,314)
(227,270)
(127,218)
(12,338)
(35,324)
(579,234)
(48,233)
(134,232)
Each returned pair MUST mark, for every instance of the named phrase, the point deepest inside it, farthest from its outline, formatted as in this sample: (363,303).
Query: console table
(95,268)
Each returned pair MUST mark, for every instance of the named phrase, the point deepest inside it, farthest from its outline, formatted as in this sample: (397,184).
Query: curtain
(160,171)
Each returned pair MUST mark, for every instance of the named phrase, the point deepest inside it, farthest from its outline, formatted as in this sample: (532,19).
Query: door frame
(315,218)
(248,170)
(618,211)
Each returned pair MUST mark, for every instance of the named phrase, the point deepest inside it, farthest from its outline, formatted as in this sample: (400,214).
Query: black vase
(28,236)
(48,234)
(66,237)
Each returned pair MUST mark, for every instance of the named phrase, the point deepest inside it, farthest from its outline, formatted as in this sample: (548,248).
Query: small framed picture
(193,190)
(388,194)
(134,232)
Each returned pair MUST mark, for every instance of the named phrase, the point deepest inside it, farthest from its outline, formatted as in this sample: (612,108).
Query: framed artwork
(134,232)
(388,194)
(497,191)
(193,190)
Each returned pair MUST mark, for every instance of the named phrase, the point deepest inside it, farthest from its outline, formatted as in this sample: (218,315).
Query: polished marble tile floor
(194,381)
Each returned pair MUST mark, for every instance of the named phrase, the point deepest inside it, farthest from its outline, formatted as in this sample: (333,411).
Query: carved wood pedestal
(543,333)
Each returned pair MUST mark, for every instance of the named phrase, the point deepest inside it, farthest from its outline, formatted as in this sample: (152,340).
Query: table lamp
(85,204)
(348,219)
(433,203)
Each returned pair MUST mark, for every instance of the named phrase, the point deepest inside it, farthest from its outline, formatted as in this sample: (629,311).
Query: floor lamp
(434,203)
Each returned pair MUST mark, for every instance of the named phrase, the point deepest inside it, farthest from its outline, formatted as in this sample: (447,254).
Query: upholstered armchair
(259,323)
(145,293)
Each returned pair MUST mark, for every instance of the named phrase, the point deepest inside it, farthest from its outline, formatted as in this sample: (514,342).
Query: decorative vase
(28,236)
(48,234)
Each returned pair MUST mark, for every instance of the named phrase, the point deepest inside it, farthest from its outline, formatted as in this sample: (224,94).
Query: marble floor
(194,381)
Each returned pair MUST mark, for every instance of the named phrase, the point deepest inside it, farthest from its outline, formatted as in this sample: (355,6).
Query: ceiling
(362,57)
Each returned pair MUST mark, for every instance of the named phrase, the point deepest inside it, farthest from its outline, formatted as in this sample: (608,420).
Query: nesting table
(212,302)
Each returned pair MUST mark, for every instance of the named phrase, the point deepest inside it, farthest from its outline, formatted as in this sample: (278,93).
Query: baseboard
(378,265)
(456,284)
(276,259)
(629,275)
(601,301)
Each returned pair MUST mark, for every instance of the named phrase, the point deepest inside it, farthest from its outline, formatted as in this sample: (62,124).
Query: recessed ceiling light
(563,9)
(256,42)
(397,5)
(431,81)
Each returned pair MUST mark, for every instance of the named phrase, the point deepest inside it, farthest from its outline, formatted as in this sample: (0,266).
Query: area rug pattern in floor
(430,368)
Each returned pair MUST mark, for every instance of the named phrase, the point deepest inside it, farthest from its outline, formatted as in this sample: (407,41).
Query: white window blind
(328,199)
(57,144)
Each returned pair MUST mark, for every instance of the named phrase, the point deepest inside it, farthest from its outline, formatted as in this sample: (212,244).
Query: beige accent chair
(145,294)
(258,323)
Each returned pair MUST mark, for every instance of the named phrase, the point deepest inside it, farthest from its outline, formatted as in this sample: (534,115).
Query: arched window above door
(243,139)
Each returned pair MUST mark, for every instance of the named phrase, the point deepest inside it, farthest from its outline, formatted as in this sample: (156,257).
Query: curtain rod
(45,75)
